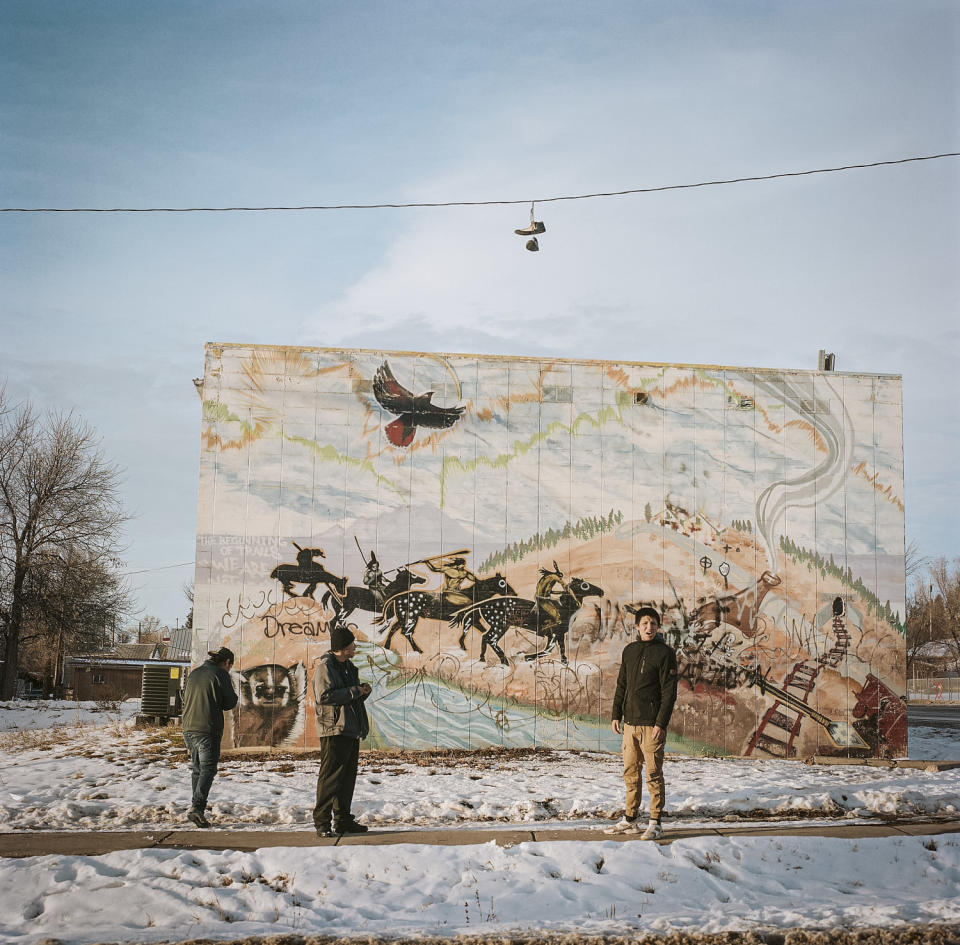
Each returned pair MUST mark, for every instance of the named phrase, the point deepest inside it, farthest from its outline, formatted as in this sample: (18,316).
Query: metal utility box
(162,692)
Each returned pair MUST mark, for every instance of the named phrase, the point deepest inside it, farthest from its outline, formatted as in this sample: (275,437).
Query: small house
(117,674)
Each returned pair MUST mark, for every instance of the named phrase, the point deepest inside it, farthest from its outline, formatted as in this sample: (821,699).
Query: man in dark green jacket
(207,695)
(338,697)
(642,704)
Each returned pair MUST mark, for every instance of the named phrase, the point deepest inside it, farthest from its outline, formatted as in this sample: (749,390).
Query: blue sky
(185,104)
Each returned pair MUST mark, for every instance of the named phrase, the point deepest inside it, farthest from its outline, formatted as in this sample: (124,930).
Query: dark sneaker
(325,831)
(195,817)
(350,826)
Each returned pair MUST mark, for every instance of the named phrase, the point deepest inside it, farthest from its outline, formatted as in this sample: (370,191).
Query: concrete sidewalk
(95,843)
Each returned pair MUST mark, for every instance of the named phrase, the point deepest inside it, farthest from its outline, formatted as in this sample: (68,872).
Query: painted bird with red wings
(413,410)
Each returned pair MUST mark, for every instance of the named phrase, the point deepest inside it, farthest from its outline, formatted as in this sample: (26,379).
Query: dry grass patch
(384,759)
(88,739)
(900,935)
(38,739)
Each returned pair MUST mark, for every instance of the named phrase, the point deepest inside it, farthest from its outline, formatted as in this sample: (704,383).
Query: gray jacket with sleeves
(339,699)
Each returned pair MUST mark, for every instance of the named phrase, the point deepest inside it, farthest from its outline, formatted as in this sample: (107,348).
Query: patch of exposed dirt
(900,935)
(421,758)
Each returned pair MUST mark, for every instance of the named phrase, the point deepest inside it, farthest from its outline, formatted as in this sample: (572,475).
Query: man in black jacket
(207,695)
(642,704)
(341,722)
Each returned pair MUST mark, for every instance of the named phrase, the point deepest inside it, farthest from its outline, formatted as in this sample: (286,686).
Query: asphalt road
(935,716)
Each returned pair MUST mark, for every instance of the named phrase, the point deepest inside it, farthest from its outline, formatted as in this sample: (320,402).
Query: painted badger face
(266,685)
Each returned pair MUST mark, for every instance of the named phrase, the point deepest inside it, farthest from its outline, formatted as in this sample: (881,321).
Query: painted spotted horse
(363,598)
(493,618)
(406,609)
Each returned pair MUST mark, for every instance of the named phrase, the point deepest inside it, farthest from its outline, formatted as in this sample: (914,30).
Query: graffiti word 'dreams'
(282,628)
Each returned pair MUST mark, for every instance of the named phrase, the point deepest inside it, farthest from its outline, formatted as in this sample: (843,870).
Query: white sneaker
(653,832)
(623,826)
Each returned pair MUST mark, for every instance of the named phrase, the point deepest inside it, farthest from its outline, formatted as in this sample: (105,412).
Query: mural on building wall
(486,527)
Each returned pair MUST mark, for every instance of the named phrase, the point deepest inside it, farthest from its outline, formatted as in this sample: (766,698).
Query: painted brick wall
(488,541)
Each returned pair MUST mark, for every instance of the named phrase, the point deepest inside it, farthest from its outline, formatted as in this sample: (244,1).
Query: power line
(165,567)
(481,203)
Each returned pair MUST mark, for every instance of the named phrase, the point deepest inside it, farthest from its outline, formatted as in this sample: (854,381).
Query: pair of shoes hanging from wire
(533,230)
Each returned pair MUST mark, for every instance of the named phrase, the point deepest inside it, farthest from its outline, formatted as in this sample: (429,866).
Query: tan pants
(640,748)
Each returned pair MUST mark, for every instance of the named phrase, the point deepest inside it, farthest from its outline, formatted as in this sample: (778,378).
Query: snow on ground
(22,714)
(115,777)
(80,776)
(703,884)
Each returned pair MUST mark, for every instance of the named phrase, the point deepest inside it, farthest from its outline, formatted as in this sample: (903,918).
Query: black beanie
(646,612)
(340,638)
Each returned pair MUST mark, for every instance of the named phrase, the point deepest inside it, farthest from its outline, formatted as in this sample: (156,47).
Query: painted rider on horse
(455,572)
(373,578)
(550,584)
(314,572)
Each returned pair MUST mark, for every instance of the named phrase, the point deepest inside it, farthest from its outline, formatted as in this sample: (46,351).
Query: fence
(934,689)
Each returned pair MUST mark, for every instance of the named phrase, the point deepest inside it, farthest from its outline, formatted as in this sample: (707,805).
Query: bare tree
(913,561)
(58,503)
(945,577)
(151,629)
(933,613)
(188,593)
(71,603)
(920,630)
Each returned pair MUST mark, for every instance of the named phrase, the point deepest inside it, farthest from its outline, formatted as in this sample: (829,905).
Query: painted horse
(406,609)
(493,618)
(360,597)
(309,572)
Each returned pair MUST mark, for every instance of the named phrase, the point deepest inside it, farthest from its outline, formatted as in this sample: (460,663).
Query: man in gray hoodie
(338,696)
(207,695)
